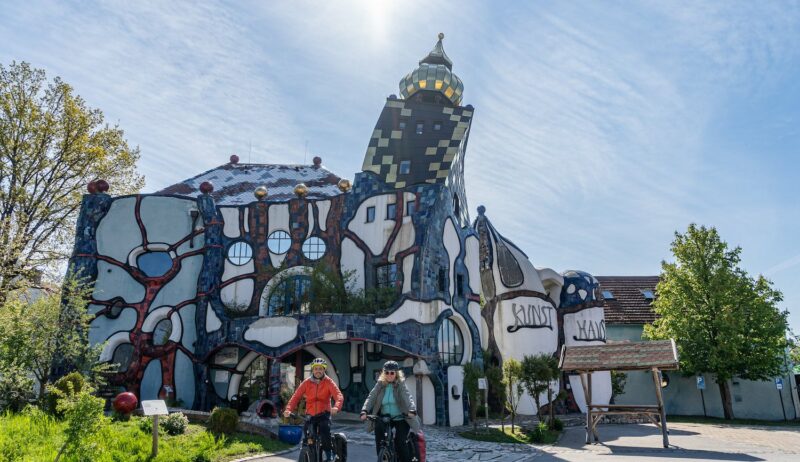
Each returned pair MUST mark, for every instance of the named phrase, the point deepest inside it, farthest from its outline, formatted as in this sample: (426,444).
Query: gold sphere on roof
(260,192)
(344,185)
(301,190)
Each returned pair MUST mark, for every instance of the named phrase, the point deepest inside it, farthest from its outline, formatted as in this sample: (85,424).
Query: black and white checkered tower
(421,137)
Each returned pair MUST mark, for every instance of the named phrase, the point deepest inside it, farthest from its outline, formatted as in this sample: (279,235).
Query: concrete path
(633,442)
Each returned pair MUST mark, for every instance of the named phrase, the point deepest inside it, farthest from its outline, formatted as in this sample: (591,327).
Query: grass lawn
(38,437)
(718,421)
(496,435)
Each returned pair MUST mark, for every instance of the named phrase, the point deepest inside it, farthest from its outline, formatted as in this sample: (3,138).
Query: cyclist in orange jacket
(318,390)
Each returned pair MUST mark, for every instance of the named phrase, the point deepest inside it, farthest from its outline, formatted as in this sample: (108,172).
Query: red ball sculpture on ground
(125,402)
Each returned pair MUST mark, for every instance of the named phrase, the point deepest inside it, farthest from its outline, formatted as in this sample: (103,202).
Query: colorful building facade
(204,292)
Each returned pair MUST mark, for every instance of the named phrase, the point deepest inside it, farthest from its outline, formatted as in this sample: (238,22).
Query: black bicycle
(387,452)
(311,449)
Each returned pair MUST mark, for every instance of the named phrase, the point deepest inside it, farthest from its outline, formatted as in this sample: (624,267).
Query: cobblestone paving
(444,444)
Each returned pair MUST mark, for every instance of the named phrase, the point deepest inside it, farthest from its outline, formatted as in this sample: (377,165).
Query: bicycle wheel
(386,455)
(307,455)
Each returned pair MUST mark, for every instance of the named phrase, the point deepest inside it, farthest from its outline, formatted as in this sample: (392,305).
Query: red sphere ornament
(92,187)
(206,187)
(102,186)
(317,161)
(234,159)
(125,402)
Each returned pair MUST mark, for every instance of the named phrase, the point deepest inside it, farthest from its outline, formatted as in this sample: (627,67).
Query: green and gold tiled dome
(435,74)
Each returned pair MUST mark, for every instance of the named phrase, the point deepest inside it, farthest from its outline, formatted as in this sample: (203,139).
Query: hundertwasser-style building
(205,291)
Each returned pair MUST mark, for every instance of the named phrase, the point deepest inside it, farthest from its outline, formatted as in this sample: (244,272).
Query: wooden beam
(589,401)
(588,407)
(662,411)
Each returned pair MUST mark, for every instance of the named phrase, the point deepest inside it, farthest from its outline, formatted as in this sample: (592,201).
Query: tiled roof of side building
(628,304)
(234,183)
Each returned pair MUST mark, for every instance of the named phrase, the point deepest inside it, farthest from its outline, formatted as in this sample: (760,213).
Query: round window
(240,253)
(314,248)
(279,242)
(162,332)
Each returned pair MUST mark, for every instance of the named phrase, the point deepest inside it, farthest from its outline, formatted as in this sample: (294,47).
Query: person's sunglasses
(391,372)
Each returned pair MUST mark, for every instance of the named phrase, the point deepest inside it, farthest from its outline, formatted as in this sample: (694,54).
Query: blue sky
(600,127)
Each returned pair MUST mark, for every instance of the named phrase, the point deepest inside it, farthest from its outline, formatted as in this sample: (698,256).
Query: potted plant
(290,431)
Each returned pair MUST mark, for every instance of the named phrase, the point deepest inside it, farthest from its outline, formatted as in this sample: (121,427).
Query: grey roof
(234,183)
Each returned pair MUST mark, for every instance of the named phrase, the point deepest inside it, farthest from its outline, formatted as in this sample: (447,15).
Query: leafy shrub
(557,424)
(145,424)
(175,423)
(83,414)
(66,387)
(223,420)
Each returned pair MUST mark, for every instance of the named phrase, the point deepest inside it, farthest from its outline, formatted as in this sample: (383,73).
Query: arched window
(154,264)
(254,382)
(451,343)
(122,356)
(288,296)
(162,332)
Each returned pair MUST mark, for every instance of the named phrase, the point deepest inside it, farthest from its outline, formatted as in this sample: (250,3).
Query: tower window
(411,207)
(405,167)
(456,205)
(437,126)
(401,125)
(391,211)
(370,214)
(420,127)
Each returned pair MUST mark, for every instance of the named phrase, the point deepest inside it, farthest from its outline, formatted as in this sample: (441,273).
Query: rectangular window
(437,126)
(386,275)
(420,127)
(460,285)
(648,294)
(442,280)
(360,355)
(401,125)
(391,211)
(370,214)
(405,167)
(411,207)
(608,295)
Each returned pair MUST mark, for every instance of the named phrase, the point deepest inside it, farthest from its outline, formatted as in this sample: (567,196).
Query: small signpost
(484,385)
(701,385)
(779,386)
(155,408)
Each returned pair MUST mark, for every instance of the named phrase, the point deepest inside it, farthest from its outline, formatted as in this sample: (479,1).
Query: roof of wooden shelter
(623,356)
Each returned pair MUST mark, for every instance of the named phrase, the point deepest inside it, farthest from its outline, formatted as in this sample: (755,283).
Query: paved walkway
(687,442)
(636,442)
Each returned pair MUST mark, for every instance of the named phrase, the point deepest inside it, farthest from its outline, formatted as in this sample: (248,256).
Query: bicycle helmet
(319,362)
(391,366)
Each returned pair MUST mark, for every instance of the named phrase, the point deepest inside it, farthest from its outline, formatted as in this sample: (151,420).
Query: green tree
(512,378)
(723,321)
(34,335)
(472,372)
(538,372)
(51,146)
(83,414)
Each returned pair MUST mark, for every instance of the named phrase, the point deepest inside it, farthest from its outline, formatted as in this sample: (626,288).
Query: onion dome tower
(435,72)
(422,136)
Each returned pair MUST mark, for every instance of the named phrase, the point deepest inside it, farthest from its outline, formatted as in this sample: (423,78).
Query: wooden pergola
(655,356)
